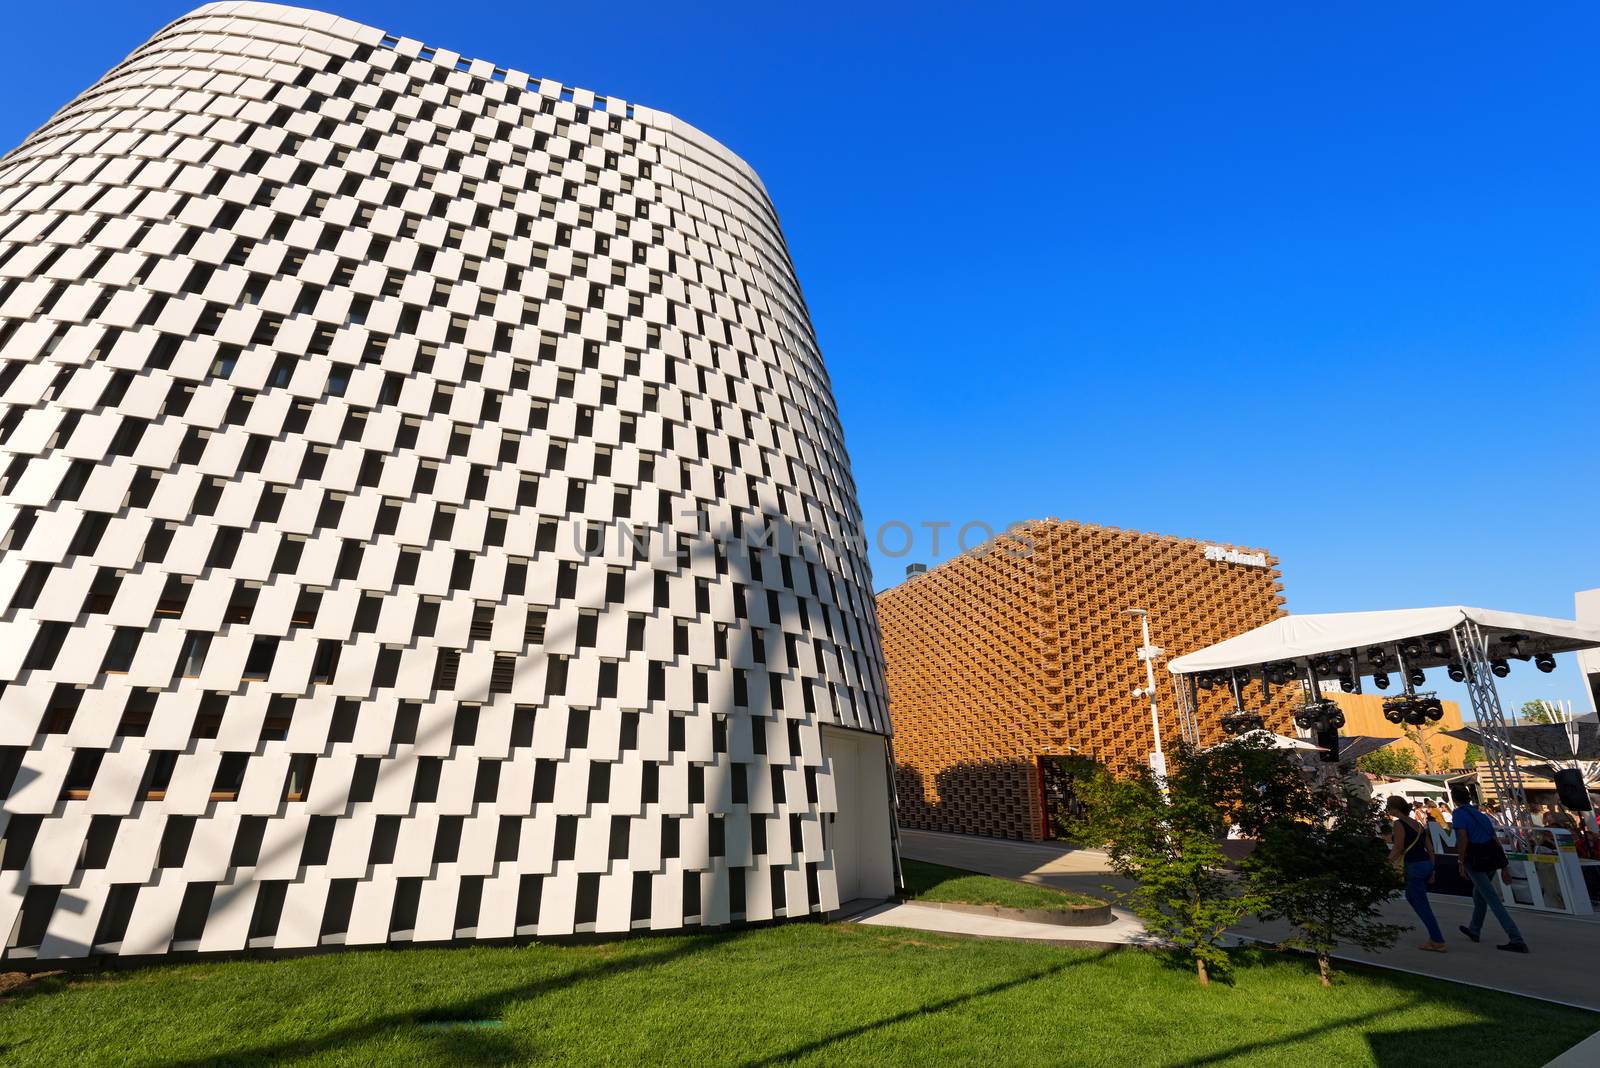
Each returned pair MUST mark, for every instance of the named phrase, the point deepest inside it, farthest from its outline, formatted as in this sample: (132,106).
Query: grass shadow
(817,1045)
(1238,1052)
(488,1046)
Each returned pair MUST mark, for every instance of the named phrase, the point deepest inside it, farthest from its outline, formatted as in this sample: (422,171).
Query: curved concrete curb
(1076,916)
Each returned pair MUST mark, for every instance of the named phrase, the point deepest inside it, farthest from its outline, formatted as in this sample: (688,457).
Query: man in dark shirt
(1473,826)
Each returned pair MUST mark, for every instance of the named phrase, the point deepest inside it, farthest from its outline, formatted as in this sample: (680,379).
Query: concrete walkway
(1122,931)
(1563,966)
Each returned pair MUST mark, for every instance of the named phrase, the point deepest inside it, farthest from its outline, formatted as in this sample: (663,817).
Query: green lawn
(935,882)
(823,994)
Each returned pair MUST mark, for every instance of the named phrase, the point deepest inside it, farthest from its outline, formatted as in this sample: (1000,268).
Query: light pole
(1148,653)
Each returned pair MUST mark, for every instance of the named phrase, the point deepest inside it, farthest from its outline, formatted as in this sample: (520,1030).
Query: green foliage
(1473,756)
(935,882)
(1074,770)
(809,994)
(1320,862)
(1326,870)
(1250,782)
(1390,760)
(1535,712)
(1170,845)
(1422,737)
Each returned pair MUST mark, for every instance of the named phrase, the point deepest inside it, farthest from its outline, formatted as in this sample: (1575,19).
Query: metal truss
(1504,772)
(1188,724)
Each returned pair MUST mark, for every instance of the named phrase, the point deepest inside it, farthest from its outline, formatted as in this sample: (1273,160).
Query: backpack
(1487,856)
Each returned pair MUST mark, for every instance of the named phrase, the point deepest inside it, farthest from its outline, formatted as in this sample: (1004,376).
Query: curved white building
(386,445)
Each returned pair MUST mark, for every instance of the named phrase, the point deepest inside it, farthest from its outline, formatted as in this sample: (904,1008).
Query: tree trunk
(1200,966)
(1322,968)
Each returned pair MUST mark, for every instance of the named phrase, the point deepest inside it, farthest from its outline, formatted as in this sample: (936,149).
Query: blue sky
(1321,281)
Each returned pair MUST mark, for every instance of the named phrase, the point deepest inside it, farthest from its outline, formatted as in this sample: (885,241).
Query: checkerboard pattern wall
(998,659)
(386,445)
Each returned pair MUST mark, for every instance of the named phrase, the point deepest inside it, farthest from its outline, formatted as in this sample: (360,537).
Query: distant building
(1587,610)
(1001,663)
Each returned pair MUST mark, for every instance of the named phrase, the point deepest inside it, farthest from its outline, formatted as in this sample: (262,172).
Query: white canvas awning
(1300,637)
(1408,788)
(1281,741)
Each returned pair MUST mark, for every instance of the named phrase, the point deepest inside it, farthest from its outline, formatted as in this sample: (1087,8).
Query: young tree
(1422,737)
(1390,760)
(1473,755)
(1170,844)
(1251,782)
(1535,712)
(1326,871)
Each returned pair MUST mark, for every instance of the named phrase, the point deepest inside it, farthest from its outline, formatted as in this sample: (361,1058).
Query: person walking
(1481,860)
(1411,850)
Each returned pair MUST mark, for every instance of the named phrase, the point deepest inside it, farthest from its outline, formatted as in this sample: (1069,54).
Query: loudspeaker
(1329,740)
(1569,787)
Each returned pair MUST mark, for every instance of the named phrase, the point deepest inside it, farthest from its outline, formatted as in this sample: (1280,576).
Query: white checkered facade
(333,369)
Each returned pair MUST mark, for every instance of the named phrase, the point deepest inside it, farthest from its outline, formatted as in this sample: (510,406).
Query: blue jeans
(1486,895)
(1417,875)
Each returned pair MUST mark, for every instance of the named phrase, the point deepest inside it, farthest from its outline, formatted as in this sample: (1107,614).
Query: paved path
(1122,931)
(1585,1054)
(1563,967)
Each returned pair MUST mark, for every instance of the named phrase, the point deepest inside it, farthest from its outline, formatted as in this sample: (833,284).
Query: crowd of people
(1584,840)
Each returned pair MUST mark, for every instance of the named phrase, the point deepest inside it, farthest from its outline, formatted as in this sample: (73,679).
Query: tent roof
(1299,637)
(1407,786)
(1356,746)
(1281,741)
(1545,741)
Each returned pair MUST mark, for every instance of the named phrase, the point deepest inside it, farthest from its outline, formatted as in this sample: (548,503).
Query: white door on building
(860,838)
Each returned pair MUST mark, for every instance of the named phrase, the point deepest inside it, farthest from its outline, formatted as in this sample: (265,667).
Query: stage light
(1381,680)
(1377,655)
(1456,672)
(1319,716)
(1439,647)
(1413,709)
(1203,681)
(1417,676)
(1545,663)
(1500,668)
(1513,644)
(1242,722)
(1347,684)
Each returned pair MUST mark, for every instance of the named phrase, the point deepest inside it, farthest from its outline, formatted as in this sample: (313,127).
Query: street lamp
(1148,653)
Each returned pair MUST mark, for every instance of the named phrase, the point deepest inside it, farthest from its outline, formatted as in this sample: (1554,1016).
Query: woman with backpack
(1411,850)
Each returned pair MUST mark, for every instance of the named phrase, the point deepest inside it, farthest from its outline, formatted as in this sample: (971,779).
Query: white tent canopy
(1280,741)
(1299,637)
(1408,788)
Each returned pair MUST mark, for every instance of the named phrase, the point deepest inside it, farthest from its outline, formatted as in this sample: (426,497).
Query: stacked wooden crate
(1020,651)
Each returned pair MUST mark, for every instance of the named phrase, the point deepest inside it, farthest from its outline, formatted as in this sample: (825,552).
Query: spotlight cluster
(1242,722)
(1513,650)
(1281,672)
(1319,716)
(1415,709)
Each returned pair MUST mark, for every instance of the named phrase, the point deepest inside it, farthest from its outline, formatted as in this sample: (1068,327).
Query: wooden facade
(1017,652)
